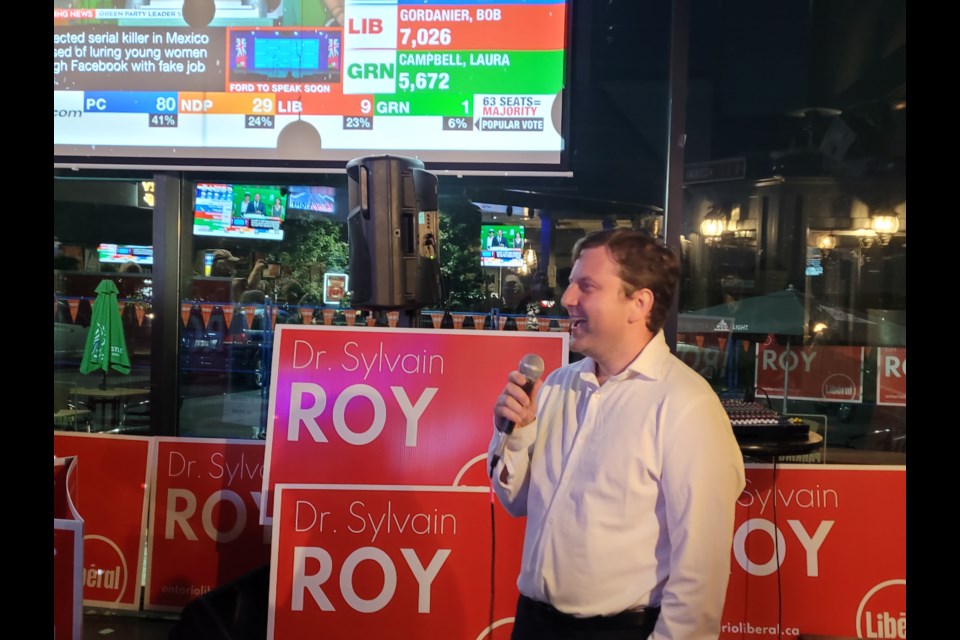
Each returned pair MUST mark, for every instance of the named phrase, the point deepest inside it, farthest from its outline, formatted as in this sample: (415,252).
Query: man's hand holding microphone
(517,404)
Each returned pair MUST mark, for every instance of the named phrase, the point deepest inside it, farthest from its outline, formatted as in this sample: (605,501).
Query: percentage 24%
(258,122)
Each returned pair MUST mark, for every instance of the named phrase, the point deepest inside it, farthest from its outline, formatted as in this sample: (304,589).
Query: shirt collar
(648,364)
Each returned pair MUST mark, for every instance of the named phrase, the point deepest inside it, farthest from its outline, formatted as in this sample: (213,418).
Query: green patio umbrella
(780,313)
(106,346)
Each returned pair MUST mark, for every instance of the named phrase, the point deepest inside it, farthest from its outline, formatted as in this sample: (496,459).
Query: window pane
(103,292)
(259,252)
(794,223)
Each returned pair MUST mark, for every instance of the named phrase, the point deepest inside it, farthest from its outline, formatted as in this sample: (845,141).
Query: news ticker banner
(113,481)
(358,560)
(825,373)
(204,518)
(819,550)
(892,376)
(389,406)
(383,76)
(67,551)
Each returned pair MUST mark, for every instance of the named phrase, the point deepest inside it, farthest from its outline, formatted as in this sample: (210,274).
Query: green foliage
(464,279)
(310,249)
(313,248)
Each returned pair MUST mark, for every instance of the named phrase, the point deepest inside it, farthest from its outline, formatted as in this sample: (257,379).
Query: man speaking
(624,463)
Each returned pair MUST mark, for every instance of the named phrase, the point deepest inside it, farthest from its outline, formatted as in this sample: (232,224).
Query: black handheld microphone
(531,366)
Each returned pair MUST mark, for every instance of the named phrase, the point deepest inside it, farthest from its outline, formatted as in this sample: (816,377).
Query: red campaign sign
(67,551)
(67,587)
(113,476)
(205,524)
(826,373)
(390,406)
(65,488)
(892,376)
(839,533)
(355,561)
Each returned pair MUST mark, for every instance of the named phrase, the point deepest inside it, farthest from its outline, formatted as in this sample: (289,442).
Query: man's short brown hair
(645,263)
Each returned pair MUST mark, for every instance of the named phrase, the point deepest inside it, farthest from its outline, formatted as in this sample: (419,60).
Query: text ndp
(308,400)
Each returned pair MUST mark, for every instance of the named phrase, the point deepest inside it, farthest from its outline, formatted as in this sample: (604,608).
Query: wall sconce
(713,225)
(530,258)
(145,191)
(529,261)
(826,242)
(884,224)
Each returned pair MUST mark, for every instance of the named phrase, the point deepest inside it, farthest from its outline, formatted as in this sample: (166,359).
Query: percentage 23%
(357,122)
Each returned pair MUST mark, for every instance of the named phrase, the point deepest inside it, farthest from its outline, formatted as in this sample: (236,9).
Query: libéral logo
(883,611)
(105,569)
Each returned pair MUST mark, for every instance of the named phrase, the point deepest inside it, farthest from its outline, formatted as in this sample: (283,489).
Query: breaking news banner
(820,550)
(367,561)
(114,476)
(352,405)
(205,518)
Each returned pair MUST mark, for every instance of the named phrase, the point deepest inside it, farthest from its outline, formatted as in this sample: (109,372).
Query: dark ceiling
(765,81)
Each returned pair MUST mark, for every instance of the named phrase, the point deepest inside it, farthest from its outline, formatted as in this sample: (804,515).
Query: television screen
(122,253)
(239,211)
(312,198)
(471,87)
(501,245)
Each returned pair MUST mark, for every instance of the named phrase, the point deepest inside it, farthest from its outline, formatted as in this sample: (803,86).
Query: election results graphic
(460,84)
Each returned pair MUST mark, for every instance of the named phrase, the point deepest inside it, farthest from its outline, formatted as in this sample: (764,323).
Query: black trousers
(539,621)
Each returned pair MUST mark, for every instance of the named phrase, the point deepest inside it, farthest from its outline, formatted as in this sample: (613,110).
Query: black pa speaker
(393,232)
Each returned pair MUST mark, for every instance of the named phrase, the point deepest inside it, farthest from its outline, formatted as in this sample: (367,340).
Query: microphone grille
(531,366)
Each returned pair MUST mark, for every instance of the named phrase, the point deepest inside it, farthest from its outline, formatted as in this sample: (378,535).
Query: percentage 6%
(457,124)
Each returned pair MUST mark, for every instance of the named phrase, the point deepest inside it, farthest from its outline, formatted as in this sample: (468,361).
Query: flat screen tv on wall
(240,211)
(501,245)
(477,87)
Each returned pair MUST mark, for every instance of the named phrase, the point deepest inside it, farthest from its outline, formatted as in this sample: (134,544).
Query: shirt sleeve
(511,487)
(702,478)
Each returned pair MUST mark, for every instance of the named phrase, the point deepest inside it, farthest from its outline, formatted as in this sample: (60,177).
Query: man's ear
(642,300)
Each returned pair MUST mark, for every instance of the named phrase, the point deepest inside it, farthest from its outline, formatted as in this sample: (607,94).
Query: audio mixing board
(755,421)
